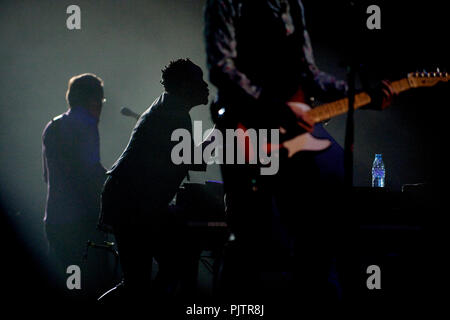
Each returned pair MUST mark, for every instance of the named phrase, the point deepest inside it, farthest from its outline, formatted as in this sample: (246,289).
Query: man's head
(184,79)
(85,90)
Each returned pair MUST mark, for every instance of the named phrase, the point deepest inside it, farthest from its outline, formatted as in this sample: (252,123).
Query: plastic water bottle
(378,172)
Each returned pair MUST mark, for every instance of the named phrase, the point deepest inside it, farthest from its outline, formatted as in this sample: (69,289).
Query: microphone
(106,245)
(129,113)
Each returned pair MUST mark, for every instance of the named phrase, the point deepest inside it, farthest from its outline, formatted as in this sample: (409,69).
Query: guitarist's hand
(382,96)
(303,119)
(388,94)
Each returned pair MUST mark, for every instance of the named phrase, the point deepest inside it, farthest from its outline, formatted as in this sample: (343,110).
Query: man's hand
(382,96)
(388,94)
(303,118)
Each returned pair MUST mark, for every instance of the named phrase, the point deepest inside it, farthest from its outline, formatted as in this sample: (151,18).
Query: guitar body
(293,142)
(303,141)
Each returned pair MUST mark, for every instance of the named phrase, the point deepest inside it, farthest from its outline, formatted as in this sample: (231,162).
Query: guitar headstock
(427,79)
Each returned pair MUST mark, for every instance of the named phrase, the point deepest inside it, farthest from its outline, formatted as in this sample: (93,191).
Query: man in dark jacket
(144,180)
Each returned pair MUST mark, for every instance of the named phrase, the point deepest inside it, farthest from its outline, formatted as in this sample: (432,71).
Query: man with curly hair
(144,180)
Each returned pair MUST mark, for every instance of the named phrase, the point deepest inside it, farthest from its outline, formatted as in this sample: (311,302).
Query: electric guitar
(296,142)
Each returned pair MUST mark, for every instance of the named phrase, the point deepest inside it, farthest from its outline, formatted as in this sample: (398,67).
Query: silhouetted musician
(144,180)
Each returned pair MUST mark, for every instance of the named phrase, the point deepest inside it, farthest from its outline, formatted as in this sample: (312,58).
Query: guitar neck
(333,109)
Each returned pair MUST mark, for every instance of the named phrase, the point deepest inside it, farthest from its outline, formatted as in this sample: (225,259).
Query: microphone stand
(353,68)
(350,128)
(350,122)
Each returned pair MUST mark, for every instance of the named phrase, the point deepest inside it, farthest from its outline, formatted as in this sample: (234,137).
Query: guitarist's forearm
(328,88)
(318,83)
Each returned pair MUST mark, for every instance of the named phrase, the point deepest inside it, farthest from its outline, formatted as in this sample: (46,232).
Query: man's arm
(220,19)
(327,87)
(50,147)
(324,85)
(202,145)
(321,84)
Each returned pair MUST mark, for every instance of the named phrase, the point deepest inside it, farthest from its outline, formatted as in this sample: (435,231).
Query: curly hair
(175,73)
